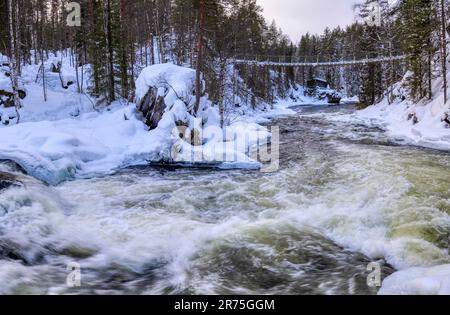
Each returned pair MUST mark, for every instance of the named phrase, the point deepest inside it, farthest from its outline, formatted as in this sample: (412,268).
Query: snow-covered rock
(213,144)
(174,81)
(350,100)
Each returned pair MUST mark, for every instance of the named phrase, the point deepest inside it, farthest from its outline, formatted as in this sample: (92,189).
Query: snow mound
(418,281)
(350,100)
(94,144)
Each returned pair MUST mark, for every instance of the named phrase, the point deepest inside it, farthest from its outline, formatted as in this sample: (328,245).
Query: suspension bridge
(284,61)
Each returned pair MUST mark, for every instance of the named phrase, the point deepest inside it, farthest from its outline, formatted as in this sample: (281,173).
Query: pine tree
(416,24)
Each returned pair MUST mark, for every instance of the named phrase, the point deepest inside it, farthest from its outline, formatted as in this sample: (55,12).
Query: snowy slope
(61,103)
(418,281)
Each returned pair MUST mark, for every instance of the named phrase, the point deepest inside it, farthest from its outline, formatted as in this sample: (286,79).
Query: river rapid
(345,196)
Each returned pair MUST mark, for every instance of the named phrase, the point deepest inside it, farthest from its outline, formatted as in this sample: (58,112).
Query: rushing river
(345,196)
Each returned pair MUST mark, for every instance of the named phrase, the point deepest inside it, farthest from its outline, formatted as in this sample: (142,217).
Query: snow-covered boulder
(165,97)
(174,82)
(166,91)
(7,180)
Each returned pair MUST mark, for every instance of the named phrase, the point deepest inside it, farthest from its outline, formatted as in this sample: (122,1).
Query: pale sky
(297,17)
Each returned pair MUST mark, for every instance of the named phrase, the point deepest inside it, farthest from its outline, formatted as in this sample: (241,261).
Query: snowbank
(98,143)
(350,100)
(412,123)
(95,143)
(418,281)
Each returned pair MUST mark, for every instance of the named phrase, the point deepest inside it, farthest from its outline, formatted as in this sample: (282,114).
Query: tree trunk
(198,74)
(430,74)
(444,48)
(110,54)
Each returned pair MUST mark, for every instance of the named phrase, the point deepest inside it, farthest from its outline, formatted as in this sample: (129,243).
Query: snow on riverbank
(430,131)
(405,122)
(93,144)
(418,281)
(418,123)
(97,143)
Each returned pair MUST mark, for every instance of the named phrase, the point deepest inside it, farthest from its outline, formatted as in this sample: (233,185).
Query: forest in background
(118,38)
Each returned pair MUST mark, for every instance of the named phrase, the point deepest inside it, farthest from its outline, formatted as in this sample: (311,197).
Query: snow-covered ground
(61,102)
(65,138)
(418,124)
(418,281)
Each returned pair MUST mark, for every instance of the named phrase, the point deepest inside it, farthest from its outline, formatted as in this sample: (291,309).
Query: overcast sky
(297,17)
